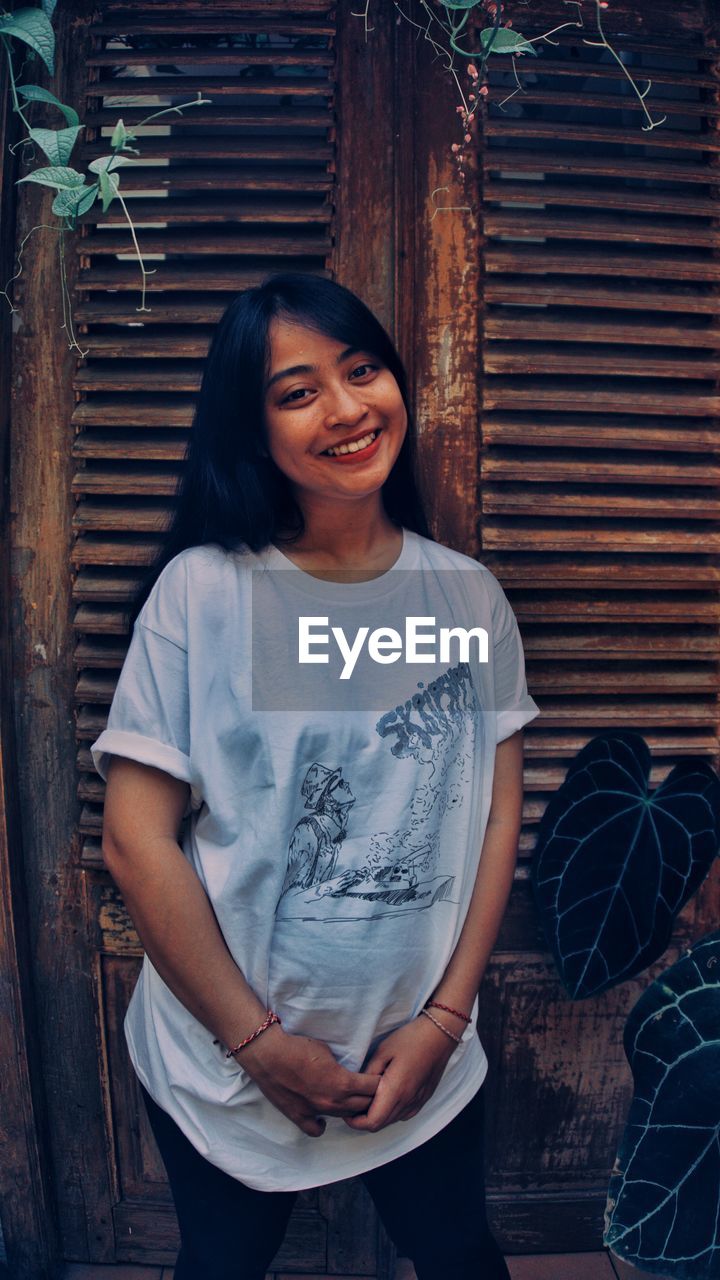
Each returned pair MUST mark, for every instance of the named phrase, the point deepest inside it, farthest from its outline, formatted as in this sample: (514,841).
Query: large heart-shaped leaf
(614,862)
(71,204)
(663,1207)
(36,93)
(55,175)
(57,143)
(34,28)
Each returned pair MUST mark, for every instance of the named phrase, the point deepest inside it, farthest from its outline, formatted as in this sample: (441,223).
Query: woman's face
(338,396)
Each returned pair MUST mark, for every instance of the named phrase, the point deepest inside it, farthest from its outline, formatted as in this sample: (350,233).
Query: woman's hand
(411,1061)
(302,1079)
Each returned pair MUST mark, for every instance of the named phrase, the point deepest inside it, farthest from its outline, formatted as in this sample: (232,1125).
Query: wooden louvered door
(598,509)
(561,336)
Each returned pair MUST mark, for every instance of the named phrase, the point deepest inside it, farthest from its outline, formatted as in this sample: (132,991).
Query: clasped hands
(303,1079)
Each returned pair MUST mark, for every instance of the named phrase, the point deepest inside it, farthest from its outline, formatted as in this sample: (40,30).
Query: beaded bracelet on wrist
(435,1004)
(272,1018)
(440,1026)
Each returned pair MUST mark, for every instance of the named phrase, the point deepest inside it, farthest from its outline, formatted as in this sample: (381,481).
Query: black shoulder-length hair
(230,491)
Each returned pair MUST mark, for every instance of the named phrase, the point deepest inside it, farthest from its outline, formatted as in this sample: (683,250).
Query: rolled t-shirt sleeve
(514,707)
(149,718)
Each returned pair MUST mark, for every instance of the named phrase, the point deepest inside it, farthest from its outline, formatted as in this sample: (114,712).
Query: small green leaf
(35,93)
(505,41)
(459,4)
(48,7)
(57,143)
(34,27)
(60,176)
(71,204)
(109,183)
(119,135)
(106,163)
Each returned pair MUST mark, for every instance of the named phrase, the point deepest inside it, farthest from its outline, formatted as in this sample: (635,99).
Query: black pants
(431,1201)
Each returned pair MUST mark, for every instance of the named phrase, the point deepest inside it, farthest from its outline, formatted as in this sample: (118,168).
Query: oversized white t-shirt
(339,849)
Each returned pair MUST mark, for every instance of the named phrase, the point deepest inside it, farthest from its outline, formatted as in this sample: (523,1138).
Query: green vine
(444,22)
(76,192)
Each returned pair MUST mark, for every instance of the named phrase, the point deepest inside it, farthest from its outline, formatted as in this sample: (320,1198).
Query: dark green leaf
(107,163)
(56,143)
(48,7)
(60,176)
(663,1205)
(71,204)
(109,183)
(616,862)
(505,41)
(119,135)
(35,93)
(34,28)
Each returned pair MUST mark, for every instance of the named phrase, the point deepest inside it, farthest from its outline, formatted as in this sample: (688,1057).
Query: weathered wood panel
(40,535)
(26,1196)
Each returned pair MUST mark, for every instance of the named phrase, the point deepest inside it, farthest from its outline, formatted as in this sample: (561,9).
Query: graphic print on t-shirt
(400,871)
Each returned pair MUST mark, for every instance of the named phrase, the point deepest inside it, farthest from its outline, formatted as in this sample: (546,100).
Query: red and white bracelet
(270,1019)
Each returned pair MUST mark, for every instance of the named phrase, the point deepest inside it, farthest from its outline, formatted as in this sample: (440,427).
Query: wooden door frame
(26,1200)
(54,1108)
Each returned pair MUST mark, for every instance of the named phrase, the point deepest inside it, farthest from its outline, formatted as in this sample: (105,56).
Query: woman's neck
(330,542)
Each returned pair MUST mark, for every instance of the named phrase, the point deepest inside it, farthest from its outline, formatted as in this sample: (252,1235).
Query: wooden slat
(156,149)
(539,326)
(568,97)
(174,276)
(203,116)
(134,411)
(496,158)
(188,86)
(308,242)
(524,535)
(594,396)
(176,210)
(591,134)
(573,500)
(213,178)
(274,54)
(528,224)
(546,466)
(136,23)
(136,551)
(123,481)
(624,573)
(616,432)
(545,261)
(624,295)
(166,446)
(138,517)
(567,358)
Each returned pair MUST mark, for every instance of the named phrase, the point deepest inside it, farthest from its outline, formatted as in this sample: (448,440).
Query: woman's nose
(346,406)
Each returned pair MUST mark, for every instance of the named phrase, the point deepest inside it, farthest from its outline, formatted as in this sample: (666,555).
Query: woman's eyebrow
(310,368)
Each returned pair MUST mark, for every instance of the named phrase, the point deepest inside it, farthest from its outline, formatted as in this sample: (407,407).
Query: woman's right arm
(180,933)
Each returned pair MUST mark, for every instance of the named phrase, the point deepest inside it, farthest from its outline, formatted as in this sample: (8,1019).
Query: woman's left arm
(412,1059)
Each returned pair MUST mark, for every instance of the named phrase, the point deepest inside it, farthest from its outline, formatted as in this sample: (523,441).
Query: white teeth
(353,447)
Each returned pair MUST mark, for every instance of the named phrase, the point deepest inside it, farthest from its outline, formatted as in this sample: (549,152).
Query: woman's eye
(299,391)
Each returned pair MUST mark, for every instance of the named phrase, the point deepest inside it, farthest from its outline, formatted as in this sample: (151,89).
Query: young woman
(317,871)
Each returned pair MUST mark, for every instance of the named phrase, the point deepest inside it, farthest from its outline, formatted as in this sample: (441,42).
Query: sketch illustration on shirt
(436,727)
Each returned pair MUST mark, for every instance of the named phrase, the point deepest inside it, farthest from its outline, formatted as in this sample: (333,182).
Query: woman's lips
(359,455)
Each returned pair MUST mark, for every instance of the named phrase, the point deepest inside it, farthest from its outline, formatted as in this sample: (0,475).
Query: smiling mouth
(357,446)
